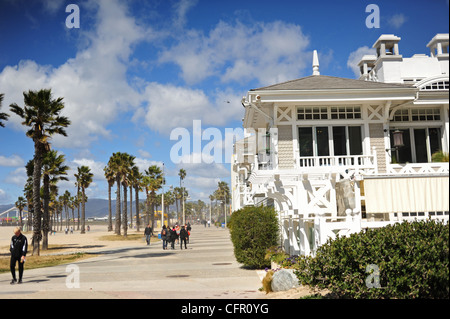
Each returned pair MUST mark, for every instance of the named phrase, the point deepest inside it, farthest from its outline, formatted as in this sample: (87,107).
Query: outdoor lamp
(398,138)
(397,135)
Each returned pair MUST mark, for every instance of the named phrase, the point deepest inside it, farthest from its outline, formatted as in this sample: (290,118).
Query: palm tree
(126,170)
(3,116)
(182,175)
(53,170)
(20,204)
(136,183)
(211,198)
(154,183)
(65,202)
(223,193)
(41,114)
(61,206)
(177,196)
(28,191)
(77,202)
(120,165)
(84,179)
(109,175)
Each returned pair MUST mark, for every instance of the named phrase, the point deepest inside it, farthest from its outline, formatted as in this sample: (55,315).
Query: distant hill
(95,207)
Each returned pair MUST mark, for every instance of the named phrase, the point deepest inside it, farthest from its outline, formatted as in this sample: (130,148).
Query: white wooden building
(320,149)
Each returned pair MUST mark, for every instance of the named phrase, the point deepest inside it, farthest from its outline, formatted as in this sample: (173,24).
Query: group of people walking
(175,235)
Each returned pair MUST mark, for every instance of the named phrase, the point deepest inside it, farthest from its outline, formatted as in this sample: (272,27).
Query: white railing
(363,161)
(418,168)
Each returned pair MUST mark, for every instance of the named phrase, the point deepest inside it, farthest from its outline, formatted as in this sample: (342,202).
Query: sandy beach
(75,242)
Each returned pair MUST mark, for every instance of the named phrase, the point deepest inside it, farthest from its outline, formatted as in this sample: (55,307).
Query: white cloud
(94,83)
(17,177)
(96,167)
(169,106)
(143,164)
(12,161)
(181,9)
(144,153)
(268,52)
(355,57)
(4,197)
(397,20)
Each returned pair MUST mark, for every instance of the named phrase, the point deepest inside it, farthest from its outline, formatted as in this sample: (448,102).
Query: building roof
(325,82)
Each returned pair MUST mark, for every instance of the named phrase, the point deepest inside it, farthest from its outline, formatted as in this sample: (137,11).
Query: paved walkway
(207,269)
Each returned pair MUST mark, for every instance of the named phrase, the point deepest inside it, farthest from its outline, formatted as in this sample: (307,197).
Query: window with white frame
(325,113)
(332,140)
(346,112)
(312,113)
(438,85)
(419,144)
(414,115)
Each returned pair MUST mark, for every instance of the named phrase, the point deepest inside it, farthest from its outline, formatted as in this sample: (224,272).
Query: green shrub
(440,156)
(253,231)
(412,259)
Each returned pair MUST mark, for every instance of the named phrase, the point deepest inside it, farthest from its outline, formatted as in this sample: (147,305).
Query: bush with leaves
(412,258)
(253,231)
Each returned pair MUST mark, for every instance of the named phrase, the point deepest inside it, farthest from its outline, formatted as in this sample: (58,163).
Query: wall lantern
(398,138)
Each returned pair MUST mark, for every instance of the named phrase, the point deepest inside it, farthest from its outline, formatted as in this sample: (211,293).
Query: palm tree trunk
(176,202)
(73,217)
(83,211)
(118,208)
(153,209)
(147,209)
(110,228)
(20,218)
(131,207)
(78,220)
(38,150)
(45,217)
(125,217)
(136,194)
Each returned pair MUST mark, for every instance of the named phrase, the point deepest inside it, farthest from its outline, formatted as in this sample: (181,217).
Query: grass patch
(33,262)
(130,237)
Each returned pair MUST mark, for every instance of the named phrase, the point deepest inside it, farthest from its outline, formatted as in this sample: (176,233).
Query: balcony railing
(362,161)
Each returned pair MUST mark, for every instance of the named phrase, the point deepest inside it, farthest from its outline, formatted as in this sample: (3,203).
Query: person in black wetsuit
(18,249)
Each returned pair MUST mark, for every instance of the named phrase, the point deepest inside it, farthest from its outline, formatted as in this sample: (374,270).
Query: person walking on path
(188,228)
(173,237)
(18,249)
(148,234)
(164,237)
(177,229)
(183,237)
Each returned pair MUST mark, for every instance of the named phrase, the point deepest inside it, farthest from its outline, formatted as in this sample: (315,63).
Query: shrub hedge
(253,230)
(412,259)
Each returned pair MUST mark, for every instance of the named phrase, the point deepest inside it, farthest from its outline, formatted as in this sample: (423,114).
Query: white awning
(407,194)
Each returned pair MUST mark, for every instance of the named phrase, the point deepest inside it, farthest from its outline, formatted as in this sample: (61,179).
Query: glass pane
(354,136)
(339,140)
(404,153)
(322,141)
(435,139)
(420,142)
(305,140)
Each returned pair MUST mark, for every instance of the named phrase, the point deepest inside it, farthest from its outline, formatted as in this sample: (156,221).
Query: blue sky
(135,70)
